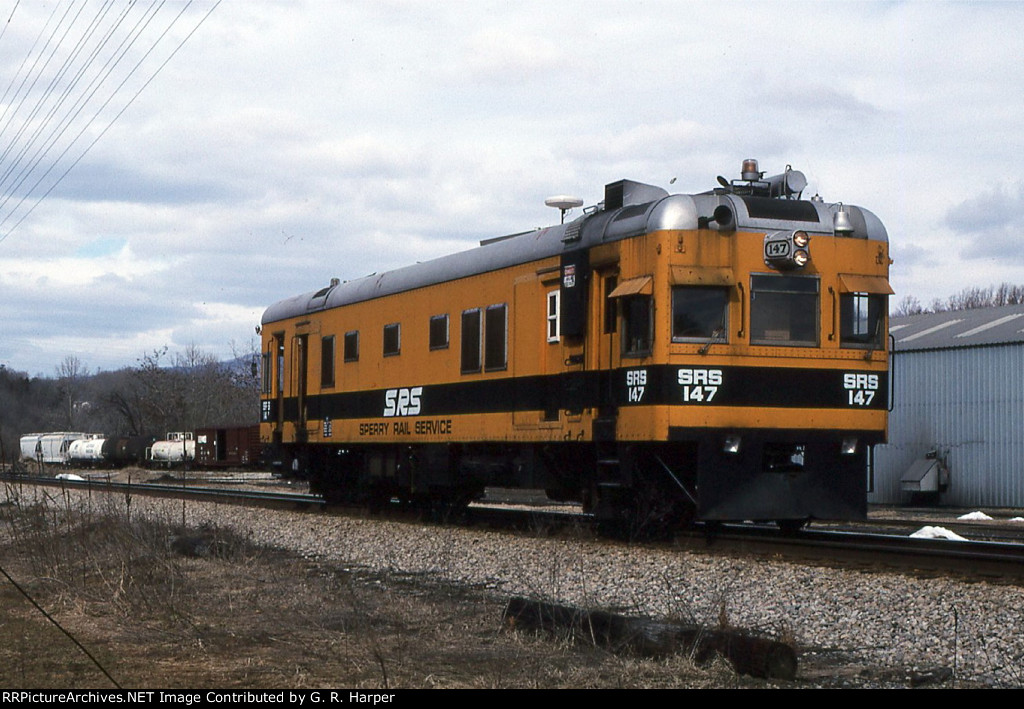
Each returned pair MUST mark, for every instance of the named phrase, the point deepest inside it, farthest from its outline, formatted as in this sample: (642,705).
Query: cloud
(288,143)
(991,223)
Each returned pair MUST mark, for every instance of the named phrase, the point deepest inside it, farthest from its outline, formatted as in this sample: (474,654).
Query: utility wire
(60,627)
(65,110)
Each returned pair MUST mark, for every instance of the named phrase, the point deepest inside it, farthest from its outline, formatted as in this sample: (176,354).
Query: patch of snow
(974,515)
(70,476)
(938,533)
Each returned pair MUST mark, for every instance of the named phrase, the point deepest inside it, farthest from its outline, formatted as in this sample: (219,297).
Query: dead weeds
(159,605)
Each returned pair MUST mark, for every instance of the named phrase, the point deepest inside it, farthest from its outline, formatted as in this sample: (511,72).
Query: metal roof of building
(981,327)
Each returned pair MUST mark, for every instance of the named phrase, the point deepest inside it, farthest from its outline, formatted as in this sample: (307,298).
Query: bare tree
(70,376)
(908,305)
(967,299)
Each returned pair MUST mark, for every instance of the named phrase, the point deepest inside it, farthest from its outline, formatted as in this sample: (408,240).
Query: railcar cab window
(471,332)
(352,346)
(699,313)
(637,325)
(327,361)
(439,332)
(784,310)
(392,339)
(861,320)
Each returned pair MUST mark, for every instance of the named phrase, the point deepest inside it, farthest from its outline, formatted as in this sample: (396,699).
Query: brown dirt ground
(171,608)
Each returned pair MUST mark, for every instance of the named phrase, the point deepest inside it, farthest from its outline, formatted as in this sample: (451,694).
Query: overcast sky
(286,143)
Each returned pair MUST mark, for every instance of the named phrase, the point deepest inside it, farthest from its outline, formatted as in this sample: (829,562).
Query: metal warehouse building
(958,399)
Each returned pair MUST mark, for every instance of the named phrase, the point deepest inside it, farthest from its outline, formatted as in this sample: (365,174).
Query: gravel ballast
(852,623)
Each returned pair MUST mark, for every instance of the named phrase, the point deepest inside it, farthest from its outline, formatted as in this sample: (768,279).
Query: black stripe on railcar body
(660,385)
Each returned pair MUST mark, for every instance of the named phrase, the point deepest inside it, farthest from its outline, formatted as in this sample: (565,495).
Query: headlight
(731,445)
(849,446)
(785,250)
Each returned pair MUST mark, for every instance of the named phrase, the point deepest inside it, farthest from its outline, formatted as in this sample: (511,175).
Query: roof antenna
(563,203)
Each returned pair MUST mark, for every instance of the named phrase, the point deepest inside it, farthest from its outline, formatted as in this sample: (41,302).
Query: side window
(279,366)
(352,346)
(637,325)
(554,330)
(699,313)
(496,338)
(392,339)
(471,333)
(861,320)
(784,310)
(267,373)
(327,361)
(439,332)
(611,318)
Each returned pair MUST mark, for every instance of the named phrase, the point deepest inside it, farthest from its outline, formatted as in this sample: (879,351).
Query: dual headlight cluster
(786,250)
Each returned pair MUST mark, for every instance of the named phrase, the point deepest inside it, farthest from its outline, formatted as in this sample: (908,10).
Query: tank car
(179,447)
(119,451)
(87,451)
(663,357)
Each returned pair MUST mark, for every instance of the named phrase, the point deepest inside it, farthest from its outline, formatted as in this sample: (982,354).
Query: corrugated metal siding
(969,404)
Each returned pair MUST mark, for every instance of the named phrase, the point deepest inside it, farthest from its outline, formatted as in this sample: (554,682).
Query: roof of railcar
(678,211)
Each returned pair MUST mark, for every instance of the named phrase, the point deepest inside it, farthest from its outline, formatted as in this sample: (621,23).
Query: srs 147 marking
(699,385)
(860,388)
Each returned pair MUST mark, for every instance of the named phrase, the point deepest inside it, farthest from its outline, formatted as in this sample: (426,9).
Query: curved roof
(644,208)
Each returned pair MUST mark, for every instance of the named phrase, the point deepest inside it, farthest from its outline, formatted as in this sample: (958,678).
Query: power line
(42,139)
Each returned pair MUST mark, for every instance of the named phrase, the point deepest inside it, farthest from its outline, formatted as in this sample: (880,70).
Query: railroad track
(869,551)
(835,547)
(184,490)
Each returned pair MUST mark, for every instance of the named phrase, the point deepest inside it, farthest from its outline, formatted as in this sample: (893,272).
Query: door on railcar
(301,359)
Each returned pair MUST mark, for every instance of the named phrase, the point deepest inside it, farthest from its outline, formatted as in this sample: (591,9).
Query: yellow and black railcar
(721,355)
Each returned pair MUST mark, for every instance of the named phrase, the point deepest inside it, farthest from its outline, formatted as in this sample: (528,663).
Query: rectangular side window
(392,339)
(861,320)
(439,332)
(554,330)
(327,361)
(611,319)
(471,341)
(496,338)
(637,325)
(352,346)
(784,310)
(279,366)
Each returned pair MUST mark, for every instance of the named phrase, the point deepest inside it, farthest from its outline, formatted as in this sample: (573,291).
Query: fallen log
(749,654)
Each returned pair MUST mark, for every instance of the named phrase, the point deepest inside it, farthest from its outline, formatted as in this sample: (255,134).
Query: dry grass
(160,605)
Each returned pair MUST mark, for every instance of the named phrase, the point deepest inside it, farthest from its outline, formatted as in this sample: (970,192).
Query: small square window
(439,332)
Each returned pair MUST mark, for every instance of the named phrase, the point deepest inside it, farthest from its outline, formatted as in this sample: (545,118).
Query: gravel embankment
(859,619)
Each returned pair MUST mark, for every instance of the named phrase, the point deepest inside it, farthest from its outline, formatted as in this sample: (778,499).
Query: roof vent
(626,192)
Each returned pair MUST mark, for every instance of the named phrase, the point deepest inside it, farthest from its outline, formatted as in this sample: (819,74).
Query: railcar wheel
(790,526)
